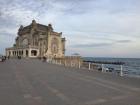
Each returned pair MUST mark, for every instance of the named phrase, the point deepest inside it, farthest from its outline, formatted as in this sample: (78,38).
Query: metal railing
(90,65)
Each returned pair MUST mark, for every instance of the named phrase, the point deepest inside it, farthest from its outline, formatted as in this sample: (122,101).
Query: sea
(131,66)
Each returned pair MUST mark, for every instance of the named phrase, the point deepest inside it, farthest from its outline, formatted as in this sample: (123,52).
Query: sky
(92,28)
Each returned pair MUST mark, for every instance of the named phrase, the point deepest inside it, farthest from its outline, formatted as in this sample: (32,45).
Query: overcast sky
(97,28)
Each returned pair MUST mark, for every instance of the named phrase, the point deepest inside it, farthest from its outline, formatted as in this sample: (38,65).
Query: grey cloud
(92,45)
(7,22)
(123,41)
(100,44)
(71,6)
(6,34)
(90,12)
(0,13)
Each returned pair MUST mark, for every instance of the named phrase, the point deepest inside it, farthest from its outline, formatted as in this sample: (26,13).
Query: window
(34,53)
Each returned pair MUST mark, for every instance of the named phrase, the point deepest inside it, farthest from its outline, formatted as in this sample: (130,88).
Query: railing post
(60,61)
(71,63)
(121,72)
(89,65)
(102,67)
(65,62)
(79,65)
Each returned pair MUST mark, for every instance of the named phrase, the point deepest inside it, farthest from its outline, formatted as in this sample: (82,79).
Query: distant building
(37,40)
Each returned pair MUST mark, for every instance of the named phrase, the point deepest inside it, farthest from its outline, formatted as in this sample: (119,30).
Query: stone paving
(32,82)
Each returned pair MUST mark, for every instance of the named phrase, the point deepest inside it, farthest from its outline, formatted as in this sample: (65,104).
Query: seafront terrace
(33,82)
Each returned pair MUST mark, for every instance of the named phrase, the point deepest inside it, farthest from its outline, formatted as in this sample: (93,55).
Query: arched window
(33,52)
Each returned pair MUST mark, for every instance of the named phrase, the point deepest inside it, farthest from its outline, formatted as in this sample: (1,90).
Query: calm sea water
(130,68)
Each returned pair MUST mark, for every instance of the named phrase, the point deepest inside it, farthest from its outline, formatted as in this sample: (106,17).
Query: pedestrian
(44,59)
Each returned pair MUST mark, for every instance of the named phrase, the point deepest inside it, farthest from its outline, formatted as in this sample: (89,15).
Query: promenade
(32,82)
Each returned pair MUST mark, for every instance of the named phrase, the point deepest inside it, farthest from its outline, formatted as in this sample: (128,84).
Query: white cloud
(87,23)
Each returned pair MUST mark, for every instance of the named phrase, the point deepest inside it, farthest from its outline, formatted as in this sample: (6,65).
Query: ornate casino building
(37,40)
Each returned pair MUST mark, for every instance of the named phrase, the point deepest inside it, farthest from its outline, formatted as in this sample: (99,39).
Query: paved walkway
(32,82)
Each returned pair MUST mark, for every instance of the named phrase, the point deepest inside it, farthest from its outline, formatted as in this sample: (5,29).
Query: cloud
(92,45)
(124,41)
(101,44)
(84,23)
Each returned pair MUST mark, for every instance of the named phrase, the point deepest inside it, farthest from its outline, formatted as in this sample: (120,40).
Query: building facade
(37,40)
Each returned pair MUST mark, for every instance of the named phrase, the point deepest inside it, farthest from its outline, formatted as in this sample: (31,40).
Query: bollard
(121,72)
(89,65)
